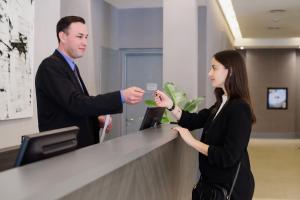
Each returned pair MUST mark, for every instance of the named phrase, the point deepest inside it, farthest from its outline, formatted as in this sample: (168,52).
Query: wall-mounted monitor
(46,144)
(277,98)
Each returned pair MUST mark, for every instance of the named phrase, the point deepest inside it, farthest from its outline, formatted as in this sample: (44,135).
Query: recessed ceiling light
(275,20)
(274,27)
(277,11)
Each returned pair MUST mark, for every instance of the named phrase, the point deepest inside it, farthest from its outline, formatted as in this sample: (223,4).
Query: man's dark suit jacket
(61,101)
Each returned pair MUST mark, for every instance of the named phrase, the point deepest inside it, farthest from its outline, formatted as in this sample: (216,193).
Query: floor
(276,167)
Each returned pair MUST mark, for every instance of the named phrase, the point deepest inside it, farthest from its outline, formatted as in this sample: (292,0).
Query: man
(62,98)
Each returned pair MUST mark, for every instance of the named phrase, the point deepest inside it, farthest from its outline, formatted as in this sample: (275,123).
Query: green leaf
(165,120)
(150,103)
(169,89)
(193,105)
(179,98)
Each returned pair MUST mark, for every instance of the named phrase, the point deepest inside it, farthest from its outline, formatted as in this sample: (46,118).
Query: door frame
(125,52)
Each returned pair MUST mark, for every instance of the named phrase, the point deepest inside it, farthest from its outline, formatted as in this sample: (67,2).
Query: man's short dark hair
(64,23)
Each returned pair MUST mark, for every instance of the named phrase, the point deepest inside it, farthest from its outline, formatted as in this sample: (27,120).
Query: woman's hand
(162,100)
(191,141)
(185,134)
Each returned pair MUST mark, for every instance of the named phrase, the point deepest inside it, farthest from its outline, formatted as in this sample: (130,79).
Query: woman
(226,126)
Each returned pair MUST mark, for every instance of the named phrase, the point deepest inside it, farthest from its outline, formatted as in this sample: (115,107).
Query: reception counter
(151,164)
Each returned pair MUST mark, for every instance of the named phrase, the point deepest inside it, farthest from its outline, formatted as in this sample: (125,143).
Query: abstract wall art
(16,58)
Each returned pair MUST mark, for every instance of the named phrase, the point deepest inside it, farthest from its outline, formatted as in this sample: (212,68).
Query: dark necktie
(76,72)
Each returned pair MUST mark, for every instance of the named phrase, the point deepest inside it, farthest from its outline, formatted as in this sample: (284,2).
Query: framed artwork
(277,98)
(16,59)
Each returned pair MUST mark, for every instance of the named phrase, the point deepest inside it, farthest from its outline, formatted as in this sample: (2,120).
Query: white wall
(218,38)
(180,42)
(86,64)
(107,24)
(140,28)
(47,13)
(202,55)
(188,49)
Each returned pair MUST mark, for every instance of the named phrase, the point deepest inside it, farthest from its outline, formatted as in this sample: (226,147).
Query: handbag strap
(234,180)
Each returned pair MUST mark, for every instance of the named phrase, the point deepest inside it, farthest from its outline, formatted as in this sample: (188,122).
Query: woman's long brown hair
(236,83)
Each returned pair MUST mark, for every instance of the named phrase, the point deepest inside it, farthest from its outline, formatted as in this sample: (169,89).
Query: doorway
(141,68)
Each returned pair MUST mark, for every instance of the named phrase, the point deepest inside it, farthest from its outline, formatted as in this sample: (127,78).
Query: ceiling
(124,4)
(268,23)
(263,23)
(268,18)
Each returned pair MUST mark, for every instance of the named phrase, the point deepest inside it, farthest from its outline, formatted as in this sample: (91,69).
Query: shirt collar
(69,60)
(224,98)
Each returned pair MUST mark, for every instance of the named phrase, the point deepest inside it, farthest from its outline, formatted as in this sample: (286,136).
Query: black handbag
(210,191)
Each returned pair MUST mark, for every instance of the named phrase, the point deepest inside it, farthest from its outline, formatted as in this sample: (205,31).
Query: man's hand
(133,95)
(101,120)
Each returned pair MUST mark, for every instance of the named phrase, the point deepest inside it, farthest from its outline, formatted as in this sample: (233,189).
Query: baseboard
(285,135)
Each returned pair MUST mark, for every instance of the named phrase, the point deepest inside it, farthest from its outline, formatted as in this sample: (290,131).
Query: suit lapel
(220,113)
(212,121)
(70,73)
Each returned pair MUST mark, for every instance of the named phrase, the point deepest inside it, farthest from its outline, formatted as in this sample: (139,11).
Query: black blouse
(227,136)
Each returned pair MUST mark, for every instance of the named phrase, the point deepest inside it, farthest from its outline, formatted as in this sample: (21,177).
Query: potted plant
(179,98)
